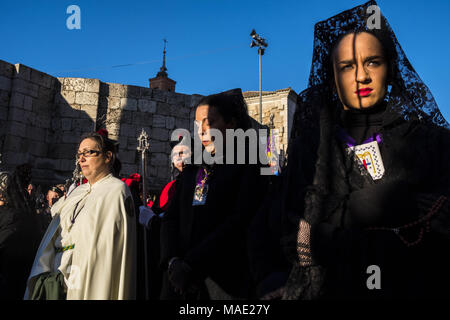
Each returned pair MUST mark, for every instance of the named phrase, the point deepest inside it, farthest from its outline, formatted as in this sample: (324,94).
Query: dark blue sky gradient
(208,40)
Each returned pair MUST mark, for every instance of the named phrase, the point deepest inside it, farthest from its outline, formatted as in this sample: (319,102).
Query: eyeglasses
(88,153)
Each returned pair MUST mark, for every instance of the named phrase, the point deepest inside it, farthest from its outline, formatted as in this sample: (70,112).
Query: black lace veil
(408,96)
(318,107)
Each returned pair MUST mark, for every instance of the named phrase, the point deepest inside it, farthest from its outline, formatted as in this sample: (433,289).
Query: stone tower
(162,80)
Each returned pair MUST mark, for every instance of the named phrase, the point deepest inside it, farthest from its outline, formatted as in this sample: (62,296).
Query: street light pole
(260,86)
(262,44)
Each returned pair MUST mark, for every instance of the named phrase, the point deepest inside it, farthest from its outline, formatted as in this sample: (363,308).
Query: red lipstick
(364,92)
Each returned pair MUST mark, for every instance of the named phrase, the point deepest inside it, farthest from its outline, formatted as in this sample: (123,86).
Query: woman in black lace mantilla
(365,207)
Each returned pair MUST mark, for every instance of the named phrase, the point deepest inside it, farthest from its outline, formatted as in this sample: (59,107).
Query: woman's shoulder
(112,187)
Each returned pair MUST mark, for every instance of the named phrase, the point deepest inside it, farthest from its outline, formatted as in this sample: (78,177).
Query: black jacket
(19,240)
(416,158)
(212,238)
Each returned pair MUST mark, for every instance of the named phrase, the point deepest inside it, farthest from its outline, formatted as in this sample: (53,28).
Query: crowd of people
(366,184)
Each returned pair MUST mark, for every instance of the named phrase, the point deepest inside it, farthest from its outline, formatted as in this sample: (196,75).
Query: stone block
(126,116)
(146,105)
(56,124)
(38,149)
(90,110)
(116,90)
(22,72)
(69,137)
(25,87)
(17,129)
(65,97)
(194,100)
(142,119)
(28,103)
(41,79)
(113,102)
(6,69)
(68,111)
(158,146)
(128,104)
(163,109)
(182,123)
(128,130)
(176,98)
(159,121)
(67,165)
(43,121)
(46,94)
(36,134)
(46,163)
(160,134)
(92,85)
(74,84)
(113,128)
(170,123)
(159,159)
(66,124)
(132,91)
(4,98)
(131,144)
(85,125)
(17,100)
(15,158)
(86,98)
(163,172)
(127,156)
(146,92)
(64,151)
(5,83)
(42,174)
(3,113)
(15,144)
(128,169)
(159,95)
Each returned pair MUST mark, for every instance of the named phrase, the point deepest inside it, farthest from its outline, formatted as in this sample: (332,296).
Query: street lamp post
(262,44)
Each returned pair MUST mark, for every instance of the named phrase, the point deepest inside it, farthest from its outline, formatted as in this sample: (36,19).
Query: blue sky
(208,40)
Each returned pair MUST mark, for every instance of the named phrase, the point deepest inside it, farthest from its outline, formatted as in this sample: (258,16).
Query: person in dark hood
(19,235)
(204,230)
(365,210)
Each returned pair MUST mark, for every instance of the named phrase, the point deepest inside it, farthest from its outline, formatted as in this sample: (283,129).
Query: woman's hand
(180,275)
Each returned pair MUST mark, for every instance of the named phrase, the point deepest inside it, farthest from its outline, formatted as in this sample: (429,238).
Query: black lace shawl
(326,182)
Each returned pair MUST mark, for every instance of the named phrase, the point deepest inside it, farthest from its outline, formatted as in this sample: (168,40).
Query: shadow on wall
(40,125)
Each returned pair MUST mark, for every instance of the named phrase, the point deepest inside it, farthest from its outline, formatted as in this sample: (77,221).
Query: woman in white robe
(90,243)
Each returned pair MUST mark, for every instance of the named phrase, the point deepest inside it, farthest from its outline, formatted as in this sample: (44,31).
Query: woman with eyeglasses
(88,251)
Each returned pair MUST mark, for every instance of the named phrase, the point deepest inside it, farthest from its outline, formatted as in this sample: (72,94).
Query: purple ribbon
(202,173)
(347,139)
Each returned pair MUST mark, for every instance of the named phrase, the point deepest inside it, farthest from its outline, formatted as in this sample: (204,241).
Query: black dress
(212,238)
(19,241)
(338,222)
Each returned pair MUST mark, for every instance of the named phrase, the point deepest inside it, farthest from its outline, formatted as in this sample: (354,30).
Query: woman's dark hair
(231,106)
(105,144)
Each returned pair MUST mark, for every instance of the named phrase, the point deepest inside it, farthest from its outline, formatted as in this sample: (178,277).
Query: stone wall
(281,104)
(27,102)
(42,119)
